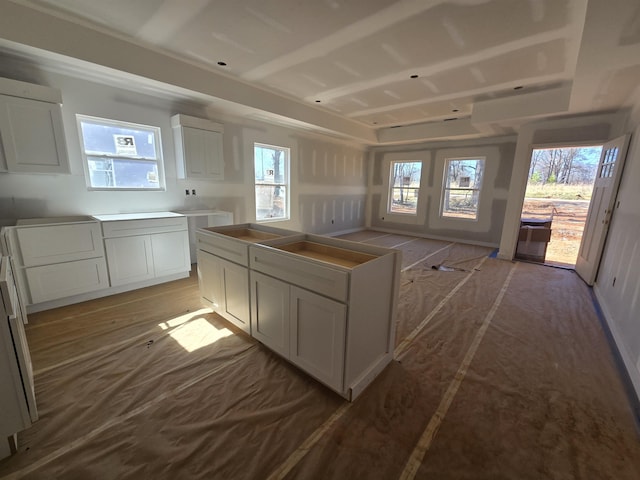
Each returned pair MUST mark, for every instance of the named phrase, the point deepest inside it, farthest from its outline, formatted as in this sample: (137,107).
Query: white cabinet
(130,259)
(202,219)
(342,298)
(317,337)
(60,257)
(225,286)
(270,310)
(17,396)
(32,136)
(223,260)
(140,249)
(198,145)
(324,304)
(305,328)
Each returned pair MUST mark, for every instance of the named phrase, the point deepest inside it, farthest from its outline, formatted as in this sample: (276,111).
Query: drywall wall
(485,230)
(586,129)
(326,175)
(618,284)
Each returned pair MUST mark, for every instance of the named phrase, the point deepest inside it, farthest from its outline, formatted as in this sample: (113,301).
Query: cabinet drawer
(49,244)
(299,271)
(228,248)
(50,282)
(125,228)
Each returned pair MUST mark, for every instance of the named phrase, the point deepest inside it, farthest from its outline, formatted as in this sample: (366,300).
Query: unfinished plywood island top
(249,234)
(324,304)
(327,253)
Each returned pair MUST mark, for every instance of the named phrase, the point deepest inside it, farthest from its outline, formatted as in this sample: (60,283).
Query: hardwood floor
(501,370)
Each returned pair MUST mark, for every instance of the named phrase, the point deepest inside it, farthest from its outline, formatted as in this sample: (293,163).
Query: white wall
(617,286)
(30,196)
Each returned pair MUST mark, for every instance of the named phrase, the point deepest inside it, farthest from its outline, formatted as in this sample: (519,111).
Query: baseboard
(627,367)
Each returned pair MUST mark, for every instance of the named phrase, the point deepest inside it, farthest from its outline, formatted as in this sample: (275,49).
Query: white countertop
(54,220)
(196,213)
(135,216)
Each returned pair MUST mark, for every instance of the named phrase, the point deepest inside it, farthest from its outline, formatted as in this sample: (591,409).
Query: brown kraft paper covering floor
(502,371)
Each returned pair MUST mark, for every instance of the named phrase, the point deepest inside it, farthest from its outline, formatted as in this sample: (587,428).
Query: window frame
(86,155)
(445,188)
(286,183)
(392,187)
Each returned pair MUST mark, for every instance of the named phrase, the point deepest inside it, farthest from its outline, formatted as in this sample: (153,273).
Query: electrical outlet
(193,191)
(186,192)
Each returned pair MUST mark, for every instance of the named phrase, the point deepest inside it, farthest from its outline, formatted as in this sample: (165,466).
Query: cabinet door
(59,280)
(270,312)
(203,153)
(32,136)
(49,244)
(235,286)
(130,259)
(318,329)
(170,253)
(210,280)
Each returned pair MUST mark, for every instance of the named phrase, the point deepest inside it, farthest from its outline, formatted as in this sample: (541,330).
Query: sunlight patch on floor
(192,331)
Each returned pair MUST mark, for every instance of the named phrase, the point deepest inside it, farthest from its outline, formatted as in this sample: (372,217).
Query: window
(404,185)
(461,193)
(272,182)
(120,155)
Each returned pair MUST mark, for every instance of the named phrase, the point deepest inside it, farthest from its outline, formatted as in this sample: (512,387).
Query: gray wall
(328,177)
(486,230)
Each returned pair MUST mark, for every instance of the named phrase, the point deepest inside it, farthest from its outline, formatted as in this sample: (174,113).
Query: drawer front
(126,228)
(299,271)
(59,243)
(225,247)
(50,282)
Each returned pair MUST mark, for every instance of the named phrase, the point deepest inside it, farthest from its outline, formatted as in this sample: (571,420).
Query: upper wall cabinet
(31,130)
(198,145)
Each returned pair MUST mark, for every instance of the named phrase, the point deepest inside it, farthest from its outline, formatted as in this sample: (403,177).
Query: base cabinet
(270,309)
(326,305)
(317,336)
(59,259)
(130,259)
(305,328)
(142,249)
(224,285)
(50,282)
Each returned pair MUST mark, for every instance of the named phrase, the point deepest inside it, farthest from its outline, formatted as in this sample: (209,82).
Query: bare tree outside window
(462,185)
(271,166)
(404,186)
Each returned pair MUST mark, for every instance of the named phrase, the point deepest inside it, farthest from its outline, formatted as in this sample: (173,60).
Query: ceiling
(379,71)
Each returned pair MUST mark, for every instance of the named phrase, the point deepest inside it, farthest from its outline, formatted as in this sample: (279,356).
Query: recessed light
(414,76)
(519,87)
(222,64)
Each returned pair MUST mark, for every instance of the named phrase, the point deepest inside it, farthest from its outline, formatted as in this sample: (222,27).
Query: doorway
(556,204)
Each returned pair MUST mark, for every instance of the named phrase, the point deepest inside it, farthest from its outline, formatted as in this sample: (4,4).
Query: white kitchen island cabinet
(224,286)
(326,305)
(223,273)
(342,299)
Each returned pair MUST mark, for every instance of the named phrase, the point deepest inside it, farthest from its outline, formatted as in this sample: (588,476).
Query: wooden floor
(501,371)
